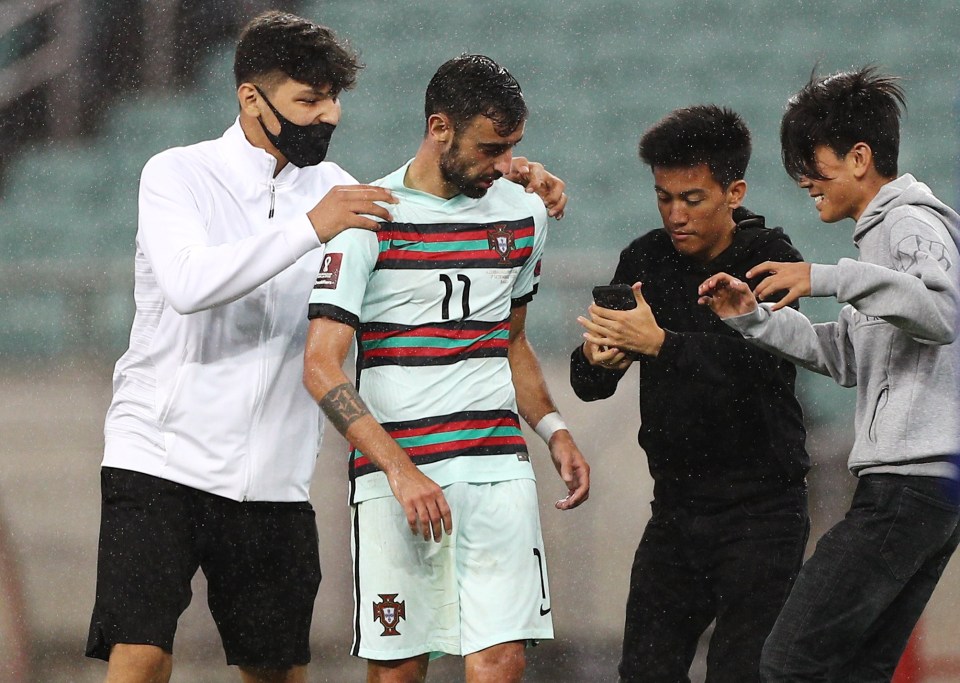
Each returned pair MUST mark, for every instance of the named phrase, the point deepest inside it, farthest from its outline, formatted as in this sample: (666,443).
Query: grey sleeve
(920,294)
(824,348)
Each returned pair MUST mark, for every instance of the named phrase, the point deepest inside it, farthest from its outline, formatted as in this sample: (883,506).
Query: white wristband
(549,424)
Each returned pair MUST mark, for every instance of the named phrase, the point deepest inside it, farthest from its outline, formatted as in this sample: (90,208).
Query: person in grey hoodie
(858,598)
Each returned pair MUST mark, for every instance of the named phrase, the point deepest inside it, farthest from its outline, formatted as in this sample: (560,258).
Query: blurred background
(90,89)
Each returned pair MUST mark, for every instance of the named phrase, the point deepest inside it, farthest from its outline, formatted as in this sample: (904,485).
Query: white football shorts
(484,584)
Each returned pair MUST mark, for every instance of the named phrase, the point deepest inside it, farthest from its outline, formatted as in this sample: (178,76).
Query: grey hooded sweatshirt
(895,337)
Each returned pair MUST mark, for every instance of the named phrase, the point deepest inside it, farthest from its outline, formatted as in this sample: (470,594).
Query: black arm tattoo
(343,406)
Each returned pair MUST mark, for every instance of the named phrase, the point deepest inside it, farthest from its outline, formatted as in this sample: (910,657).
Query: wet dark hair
(702,134)
(277,44)
(471,85)
(839,111)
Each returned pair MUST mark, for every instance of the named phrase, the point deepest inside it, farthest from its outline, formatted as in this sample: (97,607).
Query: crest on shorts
(389,612)
(501,241)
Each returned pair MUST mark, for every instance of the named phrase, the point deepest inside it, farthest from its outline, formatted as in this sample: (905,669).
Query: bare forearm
(327,346)
(349,415)
(343,406)
(423,502)
(533,396)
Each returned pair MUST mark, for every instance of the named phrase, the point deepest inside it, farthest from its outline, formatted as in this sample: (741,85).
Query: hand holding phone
(615,297)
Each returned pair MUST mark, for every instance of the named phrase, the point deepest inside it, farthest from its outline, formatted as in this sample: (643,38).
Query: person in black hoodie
(721,427)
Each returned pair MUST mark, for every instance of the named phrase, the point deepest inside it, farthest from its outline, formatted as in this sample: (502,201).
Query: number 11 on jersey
(448,295)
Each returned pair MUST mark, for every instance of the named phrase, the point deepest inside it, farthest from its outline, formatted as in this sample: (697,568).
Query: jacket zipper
(258,406)
(260,396)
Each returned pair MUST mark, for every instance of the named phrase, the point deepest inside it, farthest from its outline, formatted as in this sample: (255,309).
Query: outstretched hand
(726,296)
(535,178)
(792,278)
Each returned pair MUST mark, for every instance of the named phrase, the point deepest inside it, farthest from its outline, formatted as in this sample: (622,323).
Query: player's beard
(453,170)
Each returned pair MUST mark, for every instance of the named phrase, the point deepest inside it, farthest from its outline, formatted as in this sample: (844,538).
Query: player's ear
(440,128)
(735,193)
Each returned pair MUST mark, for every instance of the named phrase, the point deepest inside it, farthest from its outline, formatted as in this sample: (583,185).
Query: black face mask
(301,145)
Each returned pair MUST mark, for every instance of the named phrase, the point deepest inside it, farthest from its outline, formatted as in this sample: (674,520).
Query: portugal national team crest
(389,612)
(501,241)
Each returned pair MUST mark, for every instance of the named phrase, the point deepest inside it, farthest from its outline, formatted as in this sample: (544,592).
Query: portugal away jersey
(430,296)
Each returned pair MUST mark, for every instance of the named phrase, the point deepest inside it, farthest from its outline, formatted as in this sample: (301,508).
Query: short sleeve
(348,262)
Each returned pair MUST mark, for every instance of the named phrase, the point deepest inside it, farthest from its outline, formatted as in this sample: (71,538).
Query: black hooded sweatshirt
(720,421)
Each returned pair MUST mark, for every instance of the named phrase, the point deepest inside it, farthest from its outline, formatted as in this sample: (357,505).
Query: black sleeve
(725,356)
(589,382)
(715,358)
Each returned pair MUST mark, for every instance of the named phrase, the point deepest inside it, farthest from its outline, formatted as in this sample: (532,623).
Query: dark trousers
(859,596)
(734,565)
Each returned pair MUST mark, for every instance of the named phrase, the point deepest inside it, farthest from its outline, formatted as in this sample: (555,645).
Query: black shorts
(261,561)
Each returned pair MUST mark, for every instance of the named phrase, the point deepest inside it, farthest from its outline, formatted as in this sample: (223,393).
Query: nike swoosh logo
(545,612)
(400,244)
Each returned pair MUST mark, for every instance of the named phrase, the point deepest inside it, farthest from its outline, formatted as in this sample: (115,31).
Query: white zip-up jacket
(209,393)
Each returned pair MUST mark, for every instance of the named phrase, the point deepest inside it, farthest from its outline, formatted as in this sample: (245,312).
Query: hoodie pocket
(878,412)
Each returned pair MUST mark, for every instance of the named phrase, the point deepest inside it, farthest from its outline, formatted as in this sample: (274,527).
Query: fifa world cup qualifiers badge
(501,241)
(329,272)
(389,612)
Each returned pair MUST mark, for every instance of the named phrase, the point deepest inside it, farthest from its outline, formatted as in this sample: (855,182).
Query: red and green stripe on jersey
(433,344)
(506,244)
(467,434)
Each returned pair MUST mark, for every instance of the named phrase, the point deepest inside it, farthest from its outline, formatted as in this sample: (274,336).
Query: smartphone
(615,297)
